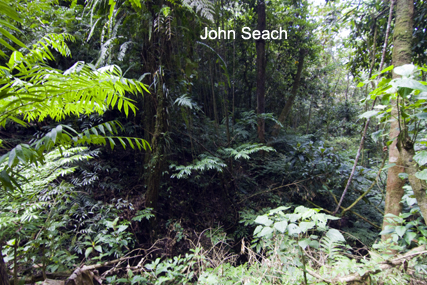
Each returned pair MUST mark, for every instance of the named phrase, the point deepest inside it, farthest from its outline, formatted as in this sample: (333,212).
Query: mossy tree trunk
(158,145)
(4,280)
(418,186)
(402,44)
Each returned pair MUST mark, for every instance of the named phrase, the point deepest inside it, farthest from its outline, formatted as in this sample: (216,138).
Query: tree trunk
(260,89)
(401,55)
(4,280)
(418,186)
(157,163)
(286,110)
(309,114)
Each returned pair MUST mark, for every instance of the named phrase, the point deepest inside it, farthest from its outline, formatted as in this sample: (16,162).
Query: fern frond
(244,150)
(207,163)
(331,242)
(123,49)
(8,11)
(204,7)
(79,90)
(185,101)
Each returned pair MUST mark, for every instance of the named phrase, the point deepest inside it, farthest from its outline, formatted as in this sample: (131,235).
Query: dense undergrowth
(228,230)
(87,152)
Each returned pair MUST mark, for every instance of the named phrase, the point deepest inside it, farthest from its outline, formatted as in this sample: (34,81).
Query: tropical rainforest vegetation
(134,150)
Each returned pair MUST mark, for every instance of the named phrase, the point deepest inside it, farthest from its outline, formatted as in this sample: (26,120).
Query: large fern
(31,90)
(36,193)
(11,14)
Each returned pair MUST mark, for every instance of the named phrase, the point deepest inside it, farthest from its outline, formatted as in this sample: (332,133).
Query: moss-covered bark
(402,43)
(157,161)
(418,186)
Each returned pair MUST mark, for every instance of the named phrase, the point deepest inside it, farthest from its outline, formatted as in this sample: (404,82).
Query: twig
(367,191)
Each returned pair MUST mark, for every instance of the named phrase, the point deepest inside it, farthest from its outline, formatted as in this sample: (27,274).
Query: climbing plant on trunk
(402,44)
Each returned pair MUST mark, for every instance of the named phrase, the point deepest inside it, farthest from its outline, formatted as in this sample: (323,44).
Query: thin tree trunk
(402,43)
(213,97)
(4,280)
(261,62)
(309,114)
(286,110)
(348,87)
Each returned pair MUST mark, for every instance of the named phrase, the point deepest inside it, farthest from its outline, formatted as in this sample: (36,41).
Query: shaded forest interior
(142,145)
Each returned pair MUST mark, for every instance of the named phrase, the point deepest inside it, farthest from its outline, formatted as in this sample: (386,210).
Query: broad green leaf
(403,175)
(421,157)
(265,231)
(376,135)
(422,96)
(405,70)
(88,251)
(387,230)
(369,114)
(388,166)
(112,143)
(122,142)
(304,226)
(335,235)
(304,243)
(293,217)
(281,226)
(400,230)
(257,229)
(264,220)
(409,237)
(387,69)
(421,115)
(314,243)
(421,174)
(293,229)
(279,209)
(130,273)
(121,228)
(98,248)
(408,83)
(12,155)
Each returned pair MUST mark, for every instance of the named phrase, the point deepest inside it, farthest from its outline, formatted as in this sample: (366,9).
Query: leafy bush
(63,224)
